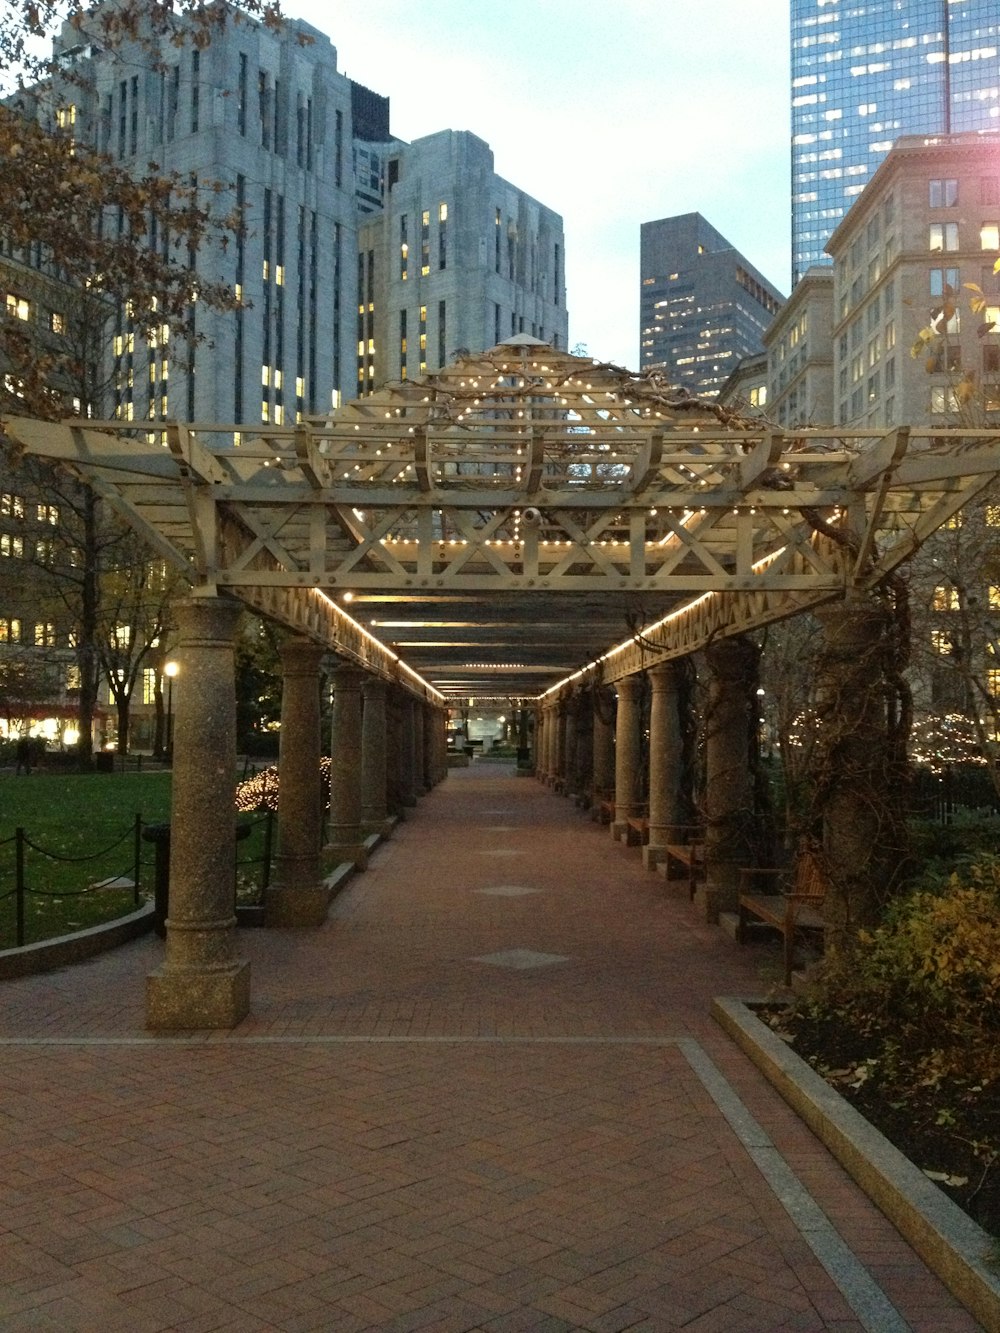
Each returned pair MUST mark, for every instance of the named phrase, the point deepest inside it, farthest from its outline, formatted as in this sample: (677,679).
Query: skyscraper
(865,72)
(457,258)
(702,305)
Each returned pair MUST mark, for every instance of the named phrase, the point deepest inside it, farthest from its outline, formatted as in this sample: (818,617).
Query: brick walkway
(486,1095)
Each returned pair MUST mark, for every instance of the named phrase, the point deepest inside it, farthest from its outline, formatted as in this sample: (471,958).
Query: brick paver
(403,1136)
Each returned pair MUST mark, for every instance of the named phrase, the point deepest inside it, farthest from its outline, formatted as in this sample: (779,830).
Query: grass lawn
(79,830)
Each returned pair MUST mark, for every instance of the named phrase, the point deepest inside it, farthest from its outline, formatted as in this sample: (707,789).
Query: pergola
(514,524)
(502,523)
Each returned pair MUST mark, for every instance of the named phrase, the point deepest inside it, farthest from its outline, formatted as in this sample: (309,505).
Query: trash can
(159,836)
(104,761)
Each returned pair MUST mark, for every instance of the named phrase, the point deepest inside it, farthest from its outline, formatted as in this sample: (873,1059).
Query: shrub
(927,980)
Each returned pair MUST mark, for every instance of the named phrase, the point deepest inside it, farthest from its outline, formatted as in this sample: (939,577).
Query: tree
(94,243)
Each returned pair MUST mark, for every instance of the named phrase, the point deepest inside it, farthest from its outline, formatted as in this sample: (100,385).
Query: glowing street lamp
(170,671)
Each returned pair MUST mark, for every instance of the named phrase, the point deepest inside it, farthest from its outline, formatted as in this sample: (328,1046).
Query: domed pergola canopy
(523,515)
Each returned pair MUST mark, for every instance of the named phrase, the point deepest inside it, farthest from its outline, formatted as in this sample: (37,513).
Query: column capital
(628,687)
(301,656)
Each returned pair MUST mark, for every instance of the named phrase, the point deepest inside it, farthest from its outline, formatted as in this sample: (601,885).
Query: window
(943,399)
(57,321)
(47,514)
(11,505)
(943,236)
(993,594)
(11,547)
(941,641)
(989,236)
(45,634)
(942,193)
(944,281)
(993,681)
(18,307)
(425,243)
(10,630)
(945,598)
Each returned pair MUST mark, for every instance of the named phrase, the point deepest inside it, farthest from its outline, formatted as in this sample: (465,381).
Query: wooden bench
(691,857)
(604,812)
(636,831)
(795,908)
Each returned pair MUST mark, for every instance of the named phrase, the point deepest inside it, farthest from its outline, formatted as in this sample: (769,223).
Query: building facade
(799,347)
(270,119)
(916,299)
(457,259)
(702,306)
(864,74)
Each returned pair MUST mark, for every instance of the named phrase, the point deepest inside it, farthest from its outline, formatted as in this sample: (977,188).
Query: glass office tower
(865,72)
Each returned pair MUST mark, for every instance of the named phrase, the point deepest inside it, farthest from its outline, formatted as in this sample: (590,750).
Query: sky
(611,112)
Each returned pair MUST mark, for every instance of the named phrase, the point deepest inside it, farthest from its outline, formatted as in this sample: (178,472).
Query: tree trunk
(87,655)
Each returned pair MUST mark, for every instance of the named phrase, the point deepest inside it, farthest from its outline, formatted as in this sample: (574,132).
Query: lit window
(993,681)
(10,631)
(945,598)
(57,321)
(994,596)
(148,686)
(989,237)
(941,641)
(18,307)
(942,236)
(45,634)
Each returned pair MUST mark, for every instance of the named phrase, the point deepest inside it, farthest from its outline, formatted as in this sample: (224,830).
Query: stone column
(665,761)
(559,714)
(374,784)
(628,748)
(569,775)
(541,744)
(420,783)
(432,745)
(603,742)
(296,895)
(524,764)
(407,751)
(202,983)
(860,765)
(346,838)
(394,753)
(730,732)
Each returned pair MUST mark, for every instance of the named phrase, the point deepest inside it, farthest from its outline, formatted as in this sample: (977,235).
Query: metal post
(19,883)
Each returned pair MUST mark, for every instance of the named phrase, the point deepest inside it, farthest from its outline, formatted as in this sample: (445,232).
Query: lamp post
(170,671)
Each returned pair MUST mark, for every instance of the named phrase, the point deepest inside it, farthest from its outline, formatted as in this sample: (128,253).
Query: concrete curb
(66,949)
(946,1238)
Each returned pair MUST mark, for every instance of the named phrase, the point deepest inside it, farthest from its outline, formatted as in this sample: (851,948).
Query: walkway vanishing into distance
(487,1094)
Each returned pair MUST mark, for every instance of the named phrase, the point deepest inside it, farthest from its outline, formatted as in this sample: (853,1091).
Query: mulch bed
(950,1129)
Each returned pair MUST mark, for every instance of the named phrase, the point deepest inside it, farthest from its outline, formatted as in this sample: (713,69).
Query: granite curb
(66,949)
(958,1250)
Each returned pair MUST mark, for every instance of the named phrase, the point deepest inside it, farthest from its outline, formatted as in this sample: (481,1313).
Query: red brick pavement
(405,1137)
